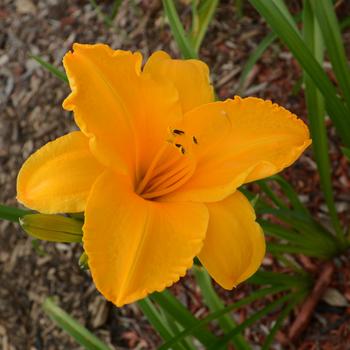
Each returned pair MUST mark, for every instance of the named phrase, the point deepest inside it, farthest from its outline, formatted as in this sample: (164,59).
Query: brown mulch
(31,115)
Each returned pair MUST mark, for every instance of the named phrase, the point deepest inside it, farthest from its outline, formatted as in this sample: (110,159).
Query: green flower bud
(53,228)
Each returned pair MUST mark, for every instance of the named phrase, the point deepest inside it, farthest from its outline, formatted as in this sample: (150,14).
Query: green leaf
(178,31)
(259,204)
(239,8)
(38,247)
(281,317)
(195,18)
(156,320)
(316,111)
(176,329)
(173,307)
(77,216)
(271,194)
(97,8)
(344,23)
(72,327)
(329,25)
(299,222)
(53,228)
(305,235)
(197,325)
(339,113)
(253,58)
(201,20)
(280,232)
(115,9)
(301,281)
(11,213)
(346,152)
(262,47)
(305,243)
(248,322)
(275,248)
(291,194)
(52,69)
(83,261)
(108,19)
(281,5)
(212,300)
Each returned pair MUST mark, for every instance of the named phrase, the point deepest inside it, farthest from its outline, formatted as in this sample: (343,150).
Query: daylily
(155,167)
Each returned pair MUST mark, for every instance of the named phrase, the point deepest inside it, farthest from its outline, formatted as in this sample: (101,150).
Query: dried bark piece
(308,307)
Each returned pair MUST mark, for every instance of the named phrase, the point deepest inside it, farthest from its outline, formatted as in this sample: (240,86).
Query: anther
(178,132)
(180,147)
(195,140)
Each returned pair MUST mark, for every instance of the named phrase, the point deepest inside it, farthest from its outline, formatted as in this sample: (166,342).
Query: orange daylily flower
(156,167)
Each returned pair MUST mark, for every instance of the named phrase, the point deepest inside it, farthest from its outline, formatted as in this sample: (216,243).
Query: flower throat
(172,166)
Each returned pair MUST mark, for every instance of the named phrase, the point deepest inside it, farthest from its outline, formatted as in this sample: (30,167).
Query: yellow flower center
(171,167)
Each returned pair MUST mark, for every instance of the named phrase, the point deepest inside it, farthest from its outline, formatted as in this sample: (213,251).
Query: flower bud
(53,228)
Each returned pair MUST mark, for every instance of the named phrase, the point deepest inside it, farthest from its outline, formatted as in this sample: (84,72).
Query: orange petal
(102,81)
(58,177)
(234,245)
(126,113)
(191,78)
(239,141)
(135,246)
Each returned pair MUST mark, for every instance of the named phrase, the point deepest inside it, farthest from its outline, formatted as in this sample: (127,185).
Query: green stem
(11,213)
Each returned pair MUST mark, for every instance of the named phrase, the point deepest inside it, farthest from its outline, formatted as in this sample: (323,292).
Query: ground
(31,115)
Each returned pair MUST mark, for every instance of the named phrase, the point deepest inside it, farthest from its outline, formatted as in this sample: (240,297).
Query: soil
(31,115)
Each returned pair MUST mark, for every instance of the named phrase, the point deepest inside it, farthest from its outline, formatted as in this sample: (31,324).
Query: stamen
(194,139)
(168,170)
(180,147)
(164,167)
(159,180)
(176,184)
(177,132)
(141,186)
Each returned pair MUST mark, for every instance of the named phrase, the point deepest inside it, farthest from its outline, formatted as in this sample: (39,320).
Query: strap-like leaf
(201,20)
(222,343)
(339,113)
(52,69)
(173,307)
(316,111)
(72,327)
(178,30)
(253,58)
(195,328)
(156,320)
(212,300)
(329,25)
(11,213)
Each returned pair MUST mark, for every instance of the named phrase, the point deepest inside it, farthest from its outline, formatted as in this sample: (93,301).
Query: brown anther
(178,132)
(195,140)
(178,145)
